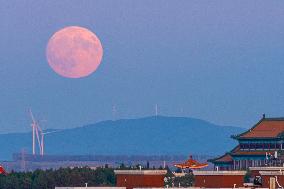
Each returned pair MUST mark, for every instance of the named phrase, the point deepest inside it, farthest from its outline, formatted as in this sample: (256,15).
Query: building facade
(219,179)
(262,145)
(140,178)
(235,179)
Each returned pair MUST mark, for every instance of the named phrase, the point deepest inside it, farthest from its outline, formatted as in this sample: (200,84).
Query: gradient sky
(222,61)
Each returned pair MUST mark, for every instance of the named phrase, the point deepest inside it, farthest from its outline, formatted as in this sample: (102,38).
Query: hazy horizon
(121,119)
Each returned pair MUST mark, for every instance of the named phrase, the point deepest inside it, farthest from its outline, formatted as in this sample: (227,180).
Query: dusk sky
(221,61)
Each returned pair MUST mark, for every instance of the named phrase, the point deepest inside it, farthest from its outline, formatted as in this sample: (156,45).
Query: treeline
(48,179)
(115,158)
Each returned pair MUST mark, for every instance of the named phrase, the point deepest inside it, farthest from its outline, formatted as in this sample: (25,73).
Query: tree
(247,177)
(184,181)
(48,179)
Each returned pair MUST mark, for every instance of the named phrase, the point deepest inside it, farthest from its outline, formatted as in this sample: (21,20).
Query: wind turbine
(42,140)
(43,133)
(35,129)
(33,125)
(38,133)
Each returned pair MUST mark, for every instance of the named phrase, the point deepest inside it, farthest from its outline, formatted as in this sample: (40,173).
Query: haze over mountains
(144,136)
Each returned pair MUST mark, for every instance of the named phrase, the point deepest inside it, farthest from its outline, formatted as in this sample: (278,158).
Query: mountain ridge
(153,135)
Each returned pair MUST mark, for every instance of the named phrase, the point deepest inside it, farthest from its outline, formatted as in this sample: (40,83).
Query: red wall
(219,181)
(134,181)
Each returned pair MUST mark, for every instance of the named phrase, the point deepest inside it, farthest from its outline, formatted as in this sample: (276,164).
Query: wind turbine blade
(33,130)
(42,144)
(50,132)
(37,136)
(56,131)
(32,116)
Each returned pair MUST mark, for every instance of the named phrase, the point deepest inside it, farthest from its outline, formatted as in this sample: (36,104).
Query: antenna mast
(114,111)
(156,110)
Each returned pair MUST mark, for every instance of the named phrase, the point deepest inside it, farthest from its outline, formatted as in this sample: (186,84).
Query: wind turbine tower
(42,140)
(33,125)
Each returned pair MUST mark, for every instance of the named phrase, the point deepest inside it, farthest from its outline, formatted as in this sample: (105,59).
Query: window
(259,146)
(252,146)
(272,146)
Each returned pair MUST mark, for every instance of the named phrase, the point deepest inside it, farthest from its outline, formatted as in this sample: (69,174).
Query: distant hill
(145,136)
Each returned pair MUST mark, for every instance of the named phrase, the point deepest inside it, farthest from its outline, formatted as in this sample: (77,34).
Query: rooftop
(226,158)
(265,128)
(237,151)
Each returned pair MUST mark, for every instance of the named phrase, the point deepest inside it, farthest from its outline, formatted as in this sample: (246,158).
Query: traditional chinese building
(191,164)
(262,145)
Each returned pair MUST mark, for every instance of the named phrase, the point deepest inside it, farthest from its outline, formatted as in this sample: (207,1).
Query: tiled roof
(191,164)
(265,128)
(249,153)
(224,158)
(227,158)
(237,151)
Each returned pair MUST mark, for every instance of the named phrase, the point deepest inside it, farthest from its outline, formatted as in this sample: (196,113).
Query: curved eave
(211,160)
(215,159)
(258,138)
(223,162)
(235,155)
(234,136)
(239,135)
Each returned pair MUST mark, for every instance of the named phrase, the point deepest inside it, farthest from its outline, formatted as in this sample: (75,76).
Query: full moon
(74,52)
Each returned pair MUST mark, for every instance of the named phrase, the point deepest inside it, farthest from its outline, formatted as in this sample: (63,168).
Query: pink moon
(74,52)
